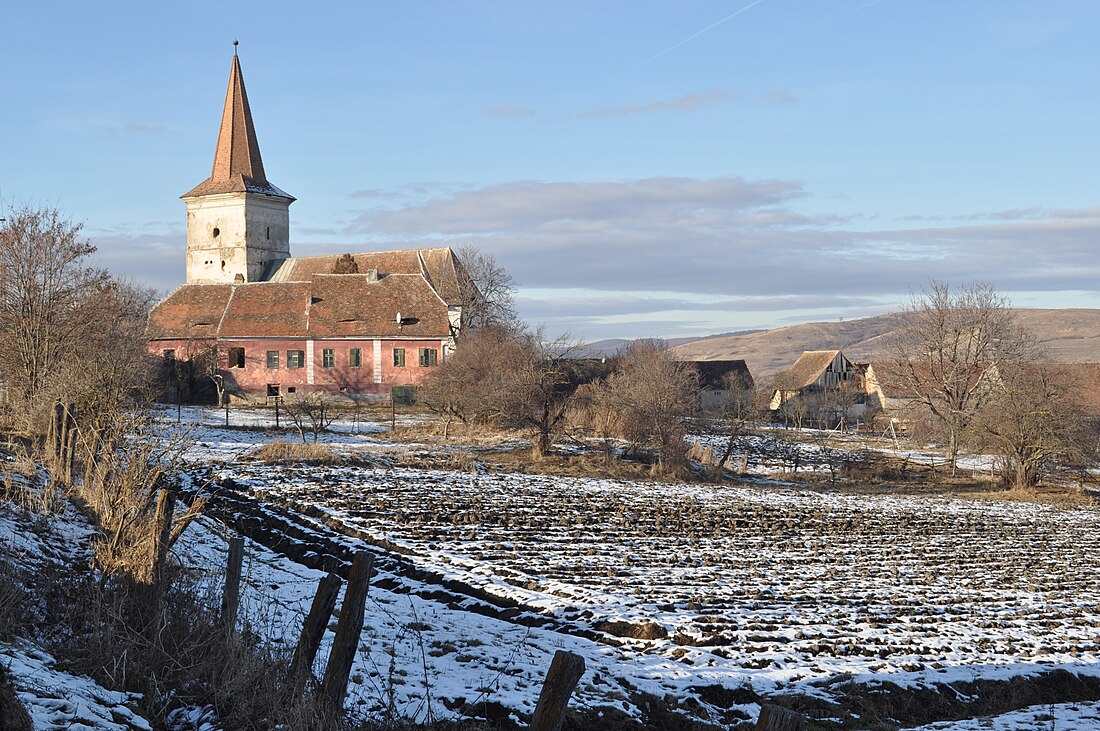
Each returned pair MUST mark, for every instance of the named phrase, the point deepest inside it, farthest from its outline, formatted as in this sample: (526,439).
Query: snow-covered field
(737,592)
(777,590)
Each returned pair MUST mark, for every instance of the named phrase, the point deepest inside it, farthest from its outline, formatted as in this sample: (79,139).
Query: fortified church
(356,324)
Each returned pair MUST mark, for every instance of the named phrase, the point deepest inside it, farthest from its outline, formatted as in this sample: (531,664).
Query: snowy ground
(482,576)
(780,591)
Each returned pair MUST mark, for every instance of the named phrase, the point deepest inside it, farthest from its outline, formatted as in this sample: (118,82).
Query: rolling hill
(1070,336)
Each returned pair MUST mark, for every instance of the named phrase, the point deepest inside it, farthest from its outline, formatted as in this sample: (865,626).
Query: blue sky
(641,168)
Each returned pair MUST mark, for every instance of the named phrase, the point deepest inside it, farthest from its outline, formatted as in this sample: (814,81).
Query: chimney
(372,275)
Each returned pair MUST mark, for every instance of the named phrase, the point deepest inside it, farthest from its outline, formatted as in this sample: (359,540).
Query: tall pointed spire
(238,167)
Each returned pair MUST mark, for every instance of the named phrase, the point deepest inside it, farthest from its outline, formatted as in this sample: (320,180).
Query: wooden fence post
(775,718)
(70,444)
(58,429)
(334,686)
(162,524)
(565,671)
(313,631)
(231,597)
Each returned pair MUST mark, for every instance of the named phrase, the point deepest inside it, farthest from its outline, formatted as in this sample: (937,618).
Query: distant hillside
(611,346)
(1071,336)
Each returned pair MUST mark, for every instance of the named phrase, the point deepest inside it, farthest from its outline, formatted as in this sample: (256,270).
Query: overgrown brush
(280,452)
(168,643)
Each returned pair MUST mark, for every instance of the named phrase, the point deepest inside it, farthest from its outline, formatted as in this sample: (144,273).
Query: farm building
(815,371)
(716,378)
(356,324)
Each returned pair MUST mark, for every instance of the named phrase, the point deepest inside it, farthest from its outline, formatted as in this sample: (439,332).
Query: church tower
(237,221)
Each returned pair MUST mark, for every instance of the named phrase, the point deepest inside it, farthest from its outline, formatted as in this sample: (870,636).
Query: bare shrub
(646,397)
(1031,421)
(310,412)
(13,716)
(516,380)
(128,460)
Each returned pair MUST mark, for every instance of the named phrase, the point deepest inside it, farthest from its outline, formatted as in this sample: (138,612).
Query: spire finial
(235,44)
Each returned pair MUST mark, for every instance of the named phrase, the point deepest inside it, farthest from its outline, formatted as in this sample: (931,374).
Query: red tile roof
(439,266)
(327,306)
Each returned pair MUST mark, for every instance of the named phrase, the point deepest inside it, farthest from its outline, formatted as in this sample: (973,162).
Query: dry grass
(13,716)
(280,452)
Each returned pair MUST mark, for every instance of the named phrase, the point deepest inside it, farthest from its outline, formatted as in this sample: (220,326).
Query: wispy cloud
(735,237)
(510,112)
(145,129)
(778,97)
(686,102)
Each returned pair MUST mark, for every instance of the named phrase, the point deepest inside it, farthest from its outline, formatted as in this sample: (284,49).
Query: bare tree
(649,393)
(739,411)
(486,290)
(515,379)
(946,340)
(44,279)
(1031,421)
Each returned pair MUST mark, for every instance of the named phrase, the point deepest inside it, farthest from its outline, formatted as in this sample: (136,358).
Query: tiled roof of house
(238,167)
(327,306)
(192,311)
(807,369)
(713,373)
(439,266)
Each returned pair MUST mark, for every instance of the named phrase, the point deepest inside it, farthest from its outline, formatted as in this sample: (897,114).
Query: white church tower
(237,222)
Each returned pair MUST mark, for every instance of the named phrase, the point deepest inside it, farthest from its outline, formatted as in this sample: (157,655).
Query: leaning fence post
(232,595)
(313,630)
(775,718)
(565,671)
(335,683)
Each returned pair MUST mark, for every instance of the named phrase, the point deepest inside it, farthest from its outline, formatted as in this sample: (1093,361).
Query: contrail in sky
(695,35)
(861,7)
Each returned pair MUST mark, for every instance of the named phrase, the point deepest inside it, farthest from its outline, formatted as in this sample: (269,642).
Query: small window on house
(273,360)
(398,357)
(428,357)
(291,389)
(273,389)
(217,232)
(236,357)
(268,233)
(355,357)
(169,353)
(295,358)
(328,358)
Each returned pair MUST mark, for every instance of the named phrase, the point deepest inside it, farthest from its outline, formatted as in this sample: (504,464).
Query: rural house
(815,371)
(715,379)
(356,324)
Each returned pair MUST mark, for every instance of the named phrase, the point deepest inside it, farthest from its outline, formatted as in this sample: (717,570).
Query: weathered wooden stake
(565,671)
(59,427)
(51,433)
(334,685)
(775,718)
(162,524)
(313,631)
(70,444)
(231,597)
